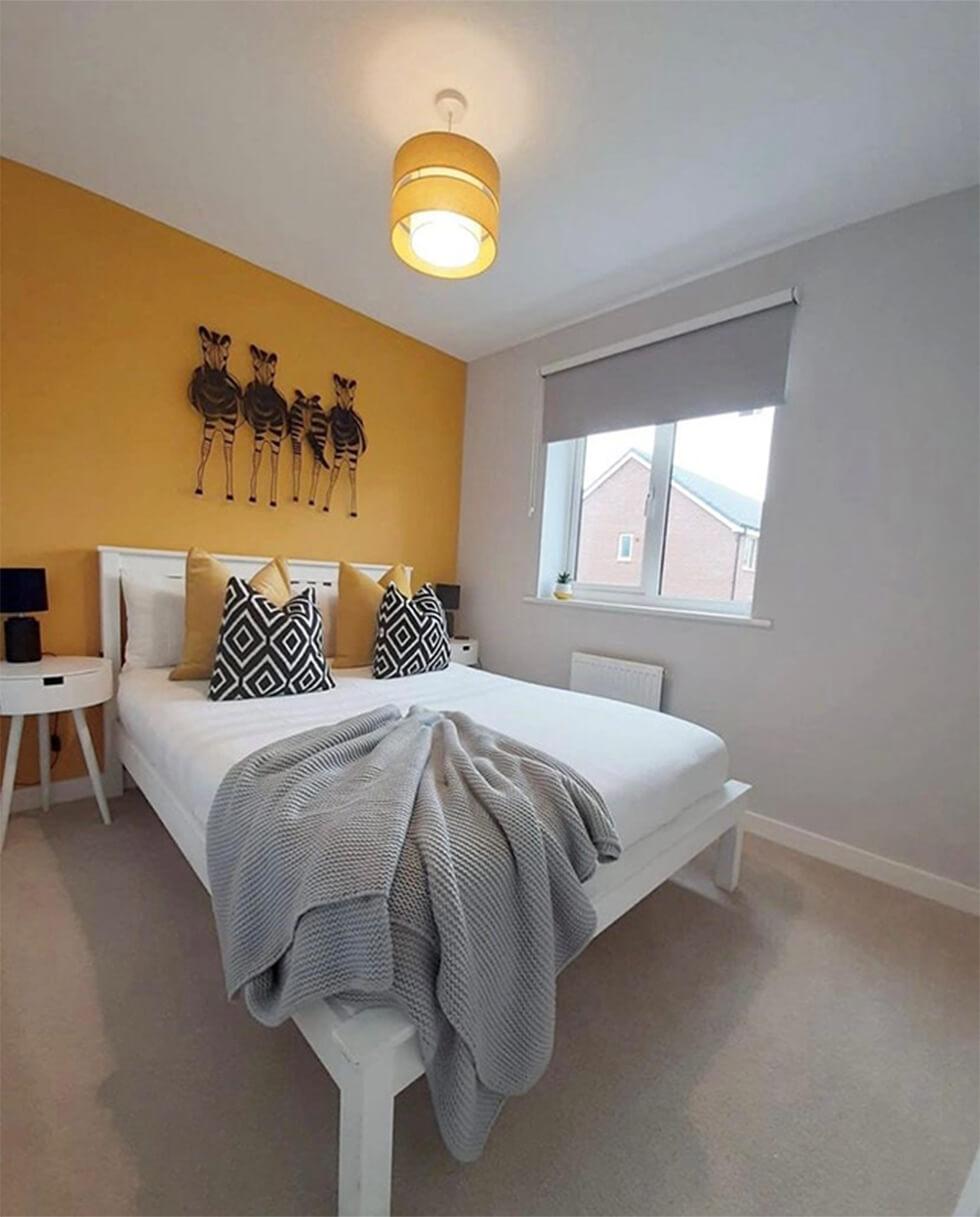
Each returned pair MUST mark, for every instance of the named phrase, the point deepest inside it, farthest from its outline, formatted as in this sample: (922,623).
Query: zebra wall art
(216,395)
(336,438)
(265,411)
(317,430)
(348,440)
(296,425)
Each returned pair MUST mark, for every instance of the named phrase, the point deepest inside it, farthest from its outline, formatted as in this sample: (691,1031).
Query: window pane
(612,522)
(714,512)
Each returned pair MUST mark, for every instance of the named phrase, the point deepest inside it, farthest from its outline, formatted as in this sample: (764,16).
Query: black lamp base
(22,640)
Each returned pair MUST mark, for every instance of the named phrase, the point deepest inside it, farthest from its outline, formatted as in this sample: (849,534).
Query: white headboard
(115,561)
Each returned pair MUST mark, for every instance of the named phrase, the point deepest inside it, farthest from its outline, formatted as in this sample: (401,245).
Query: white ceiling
(639,143)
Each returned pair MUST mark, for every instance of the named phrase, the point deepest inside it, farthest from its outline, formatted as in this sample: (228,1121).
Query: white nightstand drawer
(465,651)
(54,684)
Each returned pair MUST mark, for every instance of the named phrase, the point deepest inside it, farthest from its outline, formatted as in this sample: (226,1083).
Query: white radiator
(641,684)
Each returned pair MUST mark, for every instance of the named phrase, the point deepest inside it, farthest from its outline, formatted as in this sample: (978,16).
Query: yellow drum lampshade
(445,205)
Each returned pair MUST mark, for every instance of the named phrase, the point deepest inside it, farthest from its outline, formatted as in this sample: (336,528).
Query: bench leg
(367,1111)
(729,859)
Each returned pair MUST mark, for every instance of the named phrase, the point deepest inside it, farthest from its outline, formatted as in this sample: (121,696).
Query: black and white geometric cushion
(412,634)
(266,651)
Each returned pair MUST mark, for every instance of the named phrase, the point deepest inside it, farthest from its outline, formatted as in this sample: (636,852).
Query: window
(666,515)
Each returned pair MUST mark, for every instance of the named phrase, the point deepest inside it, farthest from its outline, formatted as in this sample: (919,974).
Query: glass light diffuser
(444,239)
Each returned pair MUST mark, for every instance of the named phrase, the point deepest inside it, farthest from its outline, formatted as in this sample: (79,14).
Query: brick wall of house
(702,553)
(615,506)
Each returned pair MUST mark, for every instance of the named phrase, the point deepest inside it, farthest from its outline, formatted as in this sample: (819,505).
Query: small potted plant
(563,585)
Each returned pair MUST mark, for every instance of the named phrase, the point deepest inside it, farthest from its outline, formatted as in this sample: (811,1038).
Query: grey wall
(856,716)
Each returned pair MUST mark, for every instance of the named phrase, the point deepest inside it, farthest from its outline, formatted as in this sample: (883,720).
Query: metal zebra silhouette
(317,431)
(347,439)
(265,411)
(216,395)
(296,425)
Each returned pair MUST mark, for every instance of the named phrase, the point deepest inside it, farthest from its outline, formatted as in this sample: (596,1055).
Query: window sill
(654,610)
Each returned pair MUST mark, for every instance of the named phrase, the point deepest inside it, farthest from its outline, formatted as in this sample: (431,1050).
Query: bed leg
(112,775)
(729,859)
(113,782)
(367,1111)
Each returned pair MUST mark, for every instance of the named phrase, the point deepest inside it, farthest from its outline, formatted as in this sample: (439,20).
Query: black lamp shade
(23,589)
(448,595)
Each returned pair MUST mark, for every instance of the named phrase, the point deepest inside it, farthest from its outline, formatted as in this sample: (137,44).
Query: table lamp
(23,590)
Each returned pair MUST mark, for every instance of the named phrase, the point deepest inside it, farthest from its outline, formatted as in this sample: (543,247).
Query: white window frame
(750,552)
(628,556)
(647,592)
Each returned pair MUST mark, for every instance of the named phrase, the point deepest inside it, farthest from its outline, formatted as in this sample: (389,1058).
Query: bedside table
(465,651)
(55,683)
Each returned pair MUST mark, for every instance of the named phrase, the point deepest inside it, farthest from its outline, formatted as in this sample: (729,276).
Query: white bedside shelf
(53,684)
(465,651)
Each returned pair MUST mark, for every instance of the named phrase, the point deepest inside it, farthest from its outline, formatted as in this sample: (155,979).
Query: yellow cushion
(205,586)
(359,599)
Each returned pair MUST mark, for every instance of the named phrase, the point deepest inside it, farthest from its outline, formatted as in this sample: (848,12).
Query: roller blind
(739,364)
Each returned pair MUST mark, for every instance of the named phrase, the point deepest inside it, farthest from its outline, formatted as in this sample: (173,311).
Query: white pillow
(154,621)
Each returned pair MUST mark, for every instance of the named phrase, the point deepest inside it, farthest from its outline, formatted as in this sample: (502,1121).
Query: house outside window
(667,515)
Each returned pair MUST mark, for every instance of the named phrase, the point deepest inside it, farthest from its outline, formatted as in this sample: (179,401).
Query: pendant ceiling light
(445,199)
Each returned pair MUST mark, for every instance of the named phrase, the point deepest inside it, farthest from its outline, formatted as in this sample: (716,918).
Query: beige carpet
(808,1046)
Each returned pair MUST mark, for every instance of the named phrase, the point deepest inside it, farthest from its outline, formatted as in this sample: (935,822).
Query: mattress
(648,766)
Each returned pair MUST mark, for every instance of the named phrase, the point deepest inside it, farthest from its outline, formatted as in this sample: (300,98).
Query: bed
(665,782)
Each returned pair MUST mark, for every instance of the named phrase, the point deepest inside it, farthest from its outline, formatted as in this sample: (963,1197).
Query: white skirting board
(67,790)
(873,866)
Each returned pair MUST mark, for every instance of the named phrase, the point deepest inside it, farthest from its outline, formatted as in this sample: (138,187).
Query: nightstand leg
(92,763)
(44,760)
(10,772)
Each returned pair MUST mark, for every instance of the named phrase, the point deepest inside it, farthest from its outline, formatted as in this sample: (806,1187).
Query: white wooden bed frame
(372,1055)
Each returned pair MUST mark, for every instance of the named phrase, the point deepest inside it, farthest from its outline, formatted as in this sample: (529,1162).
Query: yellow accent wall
(98,444)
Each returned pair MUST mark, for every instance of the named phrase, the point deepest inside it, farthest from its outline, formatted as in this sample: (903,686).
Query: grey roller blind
(734,365)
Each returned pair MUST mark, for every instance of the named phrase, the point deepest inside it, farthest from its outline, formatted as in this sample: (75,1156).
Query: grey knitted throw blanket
(423,861)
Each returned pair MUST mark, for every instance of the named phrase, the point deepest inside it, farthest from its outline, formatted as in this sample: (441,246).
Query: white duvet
(648,766)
